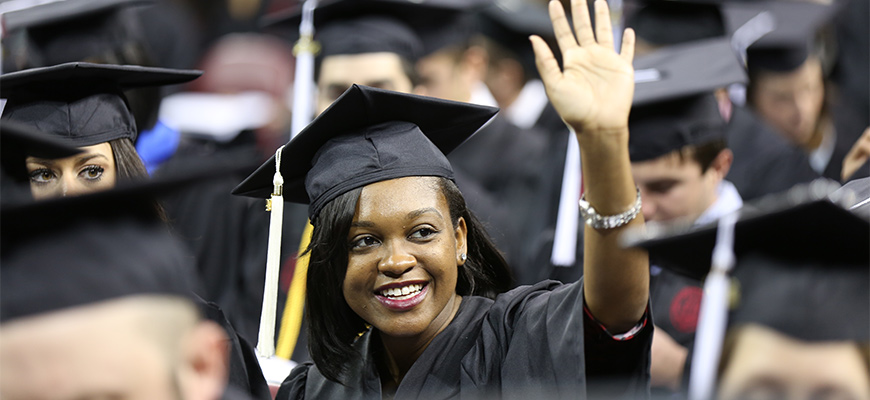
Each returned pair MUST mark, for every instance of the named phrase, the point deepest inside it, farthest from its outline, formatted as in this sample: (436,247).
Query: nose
(69,186)
(397,261)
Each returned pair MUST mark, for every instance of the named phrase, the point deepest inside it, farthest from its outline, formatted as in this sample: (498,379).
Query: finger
(603,31)
(548,67)
(564,37)
(580,15)
(627,51)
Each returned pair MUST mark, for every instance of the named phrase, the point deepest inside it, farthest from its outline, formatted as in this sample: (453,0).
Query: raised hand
(595,89)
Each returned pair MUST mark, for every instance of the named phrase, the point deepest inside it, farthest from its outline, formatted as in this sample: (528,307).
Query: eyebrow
(411,215)
(82,160)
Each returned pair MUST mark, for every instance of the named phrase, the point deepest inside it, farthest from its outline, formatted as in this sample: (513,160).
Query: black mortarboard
(366,136)
(368,34)
(802,264)
(71,30)
(791,34)
(673,102)
(16,143)
(669,22)
(82,103)
(510,23)
(73,251)
(436,22)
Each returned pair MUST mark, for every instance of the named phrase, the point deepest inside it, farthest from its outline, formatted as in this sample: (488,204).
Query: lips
(402,297)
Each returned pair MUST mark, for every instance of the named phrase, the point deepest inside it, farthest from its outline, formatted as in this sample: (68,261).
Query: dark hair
(332,324)
(704,153)
(129,167)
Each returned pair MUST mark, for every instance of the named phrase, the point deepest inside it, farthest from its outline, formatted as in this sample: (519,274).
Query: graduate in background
(97,300)
(787,88)
(764,162)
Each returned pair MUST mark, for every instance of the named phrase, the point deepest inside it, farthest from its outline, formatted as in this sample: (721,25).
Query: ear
(461,236)
(204,367)
(721,164)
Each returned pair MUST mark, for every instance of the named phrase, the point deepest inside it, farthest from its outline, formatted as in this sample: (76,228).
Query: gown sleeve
(540,336)
(293,388)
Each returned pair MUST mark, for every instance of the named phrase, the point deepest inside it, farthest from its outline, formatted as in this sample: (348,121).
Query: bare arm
(593,94)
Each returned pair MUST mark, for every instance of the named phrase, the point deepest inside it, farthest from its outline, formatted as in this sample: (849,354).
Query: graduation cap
(435,22)
(673,104)
(368,135)
(18,141)
(82,103)
(510,23)
(802,263)
(71,30)
(669,22)
(791,33)
(369,34)
(74,251)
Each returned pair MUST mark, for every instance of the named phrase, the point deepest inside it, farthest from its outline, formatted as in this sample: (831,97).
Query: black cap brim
(799,225)
(124,76)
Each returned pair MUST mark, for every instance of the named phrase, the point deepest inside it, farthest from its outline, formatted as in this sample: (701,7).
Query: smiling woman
(406,295)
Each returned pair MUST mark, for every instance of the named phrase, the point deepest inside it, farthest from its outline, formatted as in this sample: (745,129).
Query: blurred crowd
(119,101)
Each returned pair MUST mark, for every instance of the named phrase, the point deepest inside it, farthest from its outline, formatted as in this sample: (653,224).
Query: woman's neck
(402,352)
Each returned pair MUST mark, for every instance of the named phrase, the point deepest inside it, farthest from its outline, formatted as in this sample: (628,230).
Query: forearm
(616,280)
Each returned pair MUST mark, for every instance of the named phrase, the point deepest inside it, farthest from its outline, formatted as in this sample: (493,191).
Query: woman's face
(403,258)
(89,171)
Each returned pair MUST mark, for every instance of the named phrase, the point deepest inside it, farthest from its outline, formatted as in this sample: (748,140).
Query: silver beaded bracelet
(597,221)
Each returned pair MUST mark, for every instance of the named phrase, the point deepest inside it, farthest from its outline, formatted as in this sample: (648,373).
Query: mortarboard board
(82,103)
(71,30)
(18,141)
(436,22)
(801,261)
(669,22)
(673,104)
(368,135)
(72,251)
(369,34)
(791,32)
(801,224)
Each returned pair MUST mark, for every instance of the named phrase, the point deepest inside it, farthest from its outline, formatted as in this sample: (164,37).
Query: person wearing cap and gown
(798,316)
(680,159)
(787,88)
(91,113)
(402,276)
(97,301)
(764,163)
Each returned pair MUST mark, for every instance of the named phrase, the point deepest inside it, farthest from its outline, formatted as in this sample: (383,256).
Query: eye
(92,172)
(42,176)
(363,243)
(423,233)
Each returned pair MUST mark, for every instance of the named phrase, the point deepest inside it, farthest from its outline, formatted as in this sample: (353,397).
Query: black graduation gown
(532,341)
(764,162)
(675,300)
(848,128)
(227,234)
(244,369)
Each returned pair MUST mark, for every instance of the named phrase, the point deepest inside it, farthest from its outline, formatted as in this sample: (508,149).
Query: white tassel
(266,339)
(713,316)
(303,89)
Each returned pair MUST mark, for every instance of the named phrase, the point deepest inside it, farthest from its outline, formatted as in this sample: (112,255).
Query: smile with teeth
(402,293)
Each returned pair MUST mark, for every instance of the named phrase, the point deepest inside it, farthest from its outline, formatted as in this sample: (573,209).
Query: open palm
(595,88)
